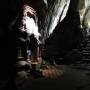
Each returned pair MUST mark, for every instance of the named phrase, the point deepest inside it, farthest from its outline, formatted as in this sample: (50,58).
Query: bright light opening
(30,25)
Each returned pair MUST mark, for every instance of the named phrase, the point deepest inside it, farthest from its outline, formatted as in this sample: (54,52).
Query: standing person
(33,46)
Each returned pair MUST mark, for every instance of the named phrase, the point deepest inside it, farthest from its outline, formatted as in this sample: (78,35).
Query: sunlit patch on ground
(52,72)
(47,71)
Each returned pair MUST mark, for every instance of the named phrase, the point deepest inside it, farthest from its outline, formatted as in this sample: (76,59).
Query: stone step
(88,45)
(87,39)
(85,60)
(88,57)
(88,42)
(86,48)
(83,66)
(85,51)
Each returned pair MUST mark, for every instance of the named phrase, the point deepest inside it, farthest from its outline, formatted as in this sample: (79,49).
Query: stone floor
(69,78)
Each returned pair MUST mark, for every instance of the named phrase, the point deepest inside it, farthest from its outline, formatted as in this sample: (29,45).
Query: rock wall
(67,34)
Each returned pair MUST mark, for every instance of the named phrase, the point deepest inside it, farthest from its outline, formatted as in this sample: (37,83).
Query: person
(33,46)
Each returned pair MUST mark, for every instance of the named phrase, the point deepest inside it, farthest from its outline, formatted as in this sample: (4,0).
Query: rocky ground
(63,77)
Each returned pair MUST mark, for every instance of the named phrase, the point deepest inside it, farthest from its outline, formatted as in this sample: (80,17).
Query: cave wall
(8,11)
(67,34)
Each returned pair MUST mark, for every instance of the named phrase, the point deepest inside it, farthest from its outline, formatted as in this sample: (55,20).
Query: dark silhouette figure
(33,46)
